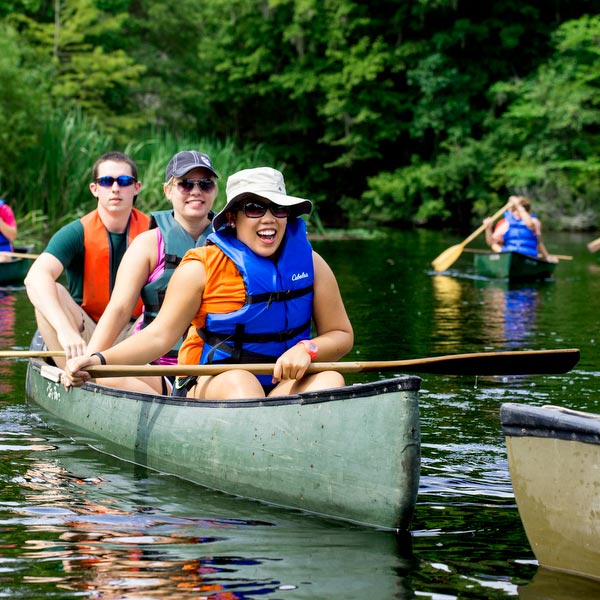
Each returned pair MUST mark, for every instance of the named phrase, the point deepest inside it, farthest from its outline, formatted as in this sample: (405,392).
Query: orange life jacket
(223,293)
(97,284)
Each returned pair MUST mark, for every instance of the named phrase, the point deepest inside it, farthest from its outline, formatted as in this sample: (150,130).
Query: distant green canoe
(13,271)
(513,266)
(351,453)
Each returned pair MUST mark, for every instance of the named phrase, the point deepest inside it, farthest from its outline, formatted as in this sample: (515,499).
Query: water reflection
(7,337)
(69,504)
(509,311)
(448,293)
(552,585)
(94,524)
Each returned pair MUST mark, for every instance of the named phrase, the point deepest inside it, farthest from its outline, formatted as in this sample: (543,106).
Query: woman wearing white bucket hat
(250,295)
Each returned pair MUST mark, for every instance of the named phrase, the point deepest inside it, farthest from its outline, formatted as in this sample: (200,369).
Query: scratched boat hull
(351,453)
(554,462)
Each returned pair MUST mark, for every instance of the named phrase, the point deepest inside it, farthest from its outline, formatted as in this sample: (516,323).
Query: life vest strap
(283,296)
(172,261)
(239,337)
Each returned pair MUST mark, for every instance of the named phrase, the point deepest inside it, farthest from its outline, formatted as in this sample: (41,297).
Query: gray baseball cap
(186,160)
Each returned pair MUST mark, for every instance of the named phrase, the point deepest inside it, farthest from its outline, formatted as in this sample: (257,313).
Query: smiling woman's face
(263,235)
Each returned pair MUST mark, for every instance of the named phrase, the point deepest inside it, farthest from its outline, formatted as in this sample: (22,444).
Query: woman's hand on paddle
(75,374)
(292,364)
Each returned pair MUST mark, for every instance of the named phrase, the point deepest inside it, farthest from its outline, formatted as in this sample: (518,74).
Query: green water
(76,523)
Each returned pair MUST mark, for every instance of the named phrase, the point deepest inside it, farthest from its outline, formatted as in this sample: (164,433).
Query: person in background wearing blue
(8,229)
(518,231)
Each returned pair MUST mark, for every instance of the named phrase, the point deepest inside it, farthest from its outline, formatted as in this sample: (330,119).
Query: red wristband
(311,348)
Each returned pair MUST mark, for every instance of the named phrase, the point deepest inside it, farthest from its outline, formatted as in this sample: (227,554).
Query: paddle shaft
(19,254)
(449,256)
(482,227)
(524,362)
(30,353)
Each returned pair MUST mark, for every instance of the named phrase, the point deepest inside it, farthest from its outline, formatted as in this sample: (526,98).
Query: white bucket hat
(264,182)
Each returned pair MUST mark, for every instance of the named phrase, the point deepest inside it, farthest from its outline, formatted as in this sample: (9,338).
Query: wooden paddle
(449,256)
(30,353)
(18,254)
(594,245)
(514,362)
(524,362)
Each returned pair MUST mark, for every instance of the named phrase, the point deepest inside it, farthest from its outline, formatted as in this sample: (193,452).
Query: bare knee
(324,380)
(232,385)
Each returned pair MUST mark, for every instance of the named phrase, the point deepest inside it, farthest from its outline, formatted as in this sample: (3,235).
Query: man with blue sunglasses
(89,250)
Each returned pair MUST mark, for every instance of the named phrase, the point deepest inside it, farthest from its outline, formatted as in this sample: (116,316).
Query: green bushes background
(404,113)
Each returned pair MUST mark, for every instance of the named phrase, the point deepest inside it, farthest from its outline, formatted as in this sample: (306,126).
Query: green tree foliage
(425,112)
(548,135)
(23,106)
(84,71)
(536,133)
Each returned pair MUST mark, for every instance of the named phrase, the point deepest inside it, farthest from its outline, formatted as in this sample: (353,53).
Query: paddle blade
(447,258)
(518,362)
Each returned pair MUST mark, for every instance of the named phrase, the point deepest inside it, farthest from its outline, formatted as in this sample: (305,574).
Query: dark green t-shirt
(68,247)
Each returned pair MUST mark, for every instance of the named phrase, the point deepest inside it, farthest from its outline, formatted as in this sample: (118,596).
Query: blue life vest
(5,245)
(177,241)
(519,238)
(277,312)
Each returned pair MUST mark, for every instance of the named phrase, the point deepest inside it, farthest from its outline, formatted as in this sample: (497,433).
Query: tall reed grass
(51,186)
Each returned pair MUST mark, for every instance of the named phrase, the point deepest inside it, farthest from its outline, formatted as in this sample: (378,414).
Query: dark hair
(116,157)
(525,203)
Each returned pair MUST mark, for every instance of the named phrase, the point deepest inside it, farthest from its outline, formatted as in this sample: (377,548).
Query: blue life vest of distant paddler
(278,308)
(518,237)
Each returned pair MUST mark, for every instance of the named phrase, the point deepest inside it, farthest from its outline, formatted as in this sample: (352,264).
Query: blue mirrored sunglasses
(122,180)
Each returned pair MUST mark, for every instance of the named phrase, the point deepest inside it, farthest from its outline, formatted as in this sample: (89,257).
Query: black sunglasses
(122,180)
(255,210)
(185,186)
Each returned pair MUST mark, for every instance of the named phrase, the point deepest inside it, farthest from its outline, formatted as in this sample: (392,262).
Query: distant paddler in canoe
(519,230)
(8,230)
(190,186)
(250,295)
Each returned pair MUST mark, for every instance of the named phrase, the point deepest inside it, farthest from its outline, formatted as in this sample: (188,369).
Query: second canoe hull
(554,462)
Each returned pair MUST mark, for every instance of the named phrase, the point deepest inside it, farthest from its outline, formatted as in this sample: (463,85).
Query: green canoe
(513,266)
(351,453)
(14,270)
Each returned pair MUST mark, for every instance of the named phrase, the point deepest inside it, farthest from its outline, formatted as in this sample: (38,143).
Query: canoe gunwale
(520,420)
(359,390)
